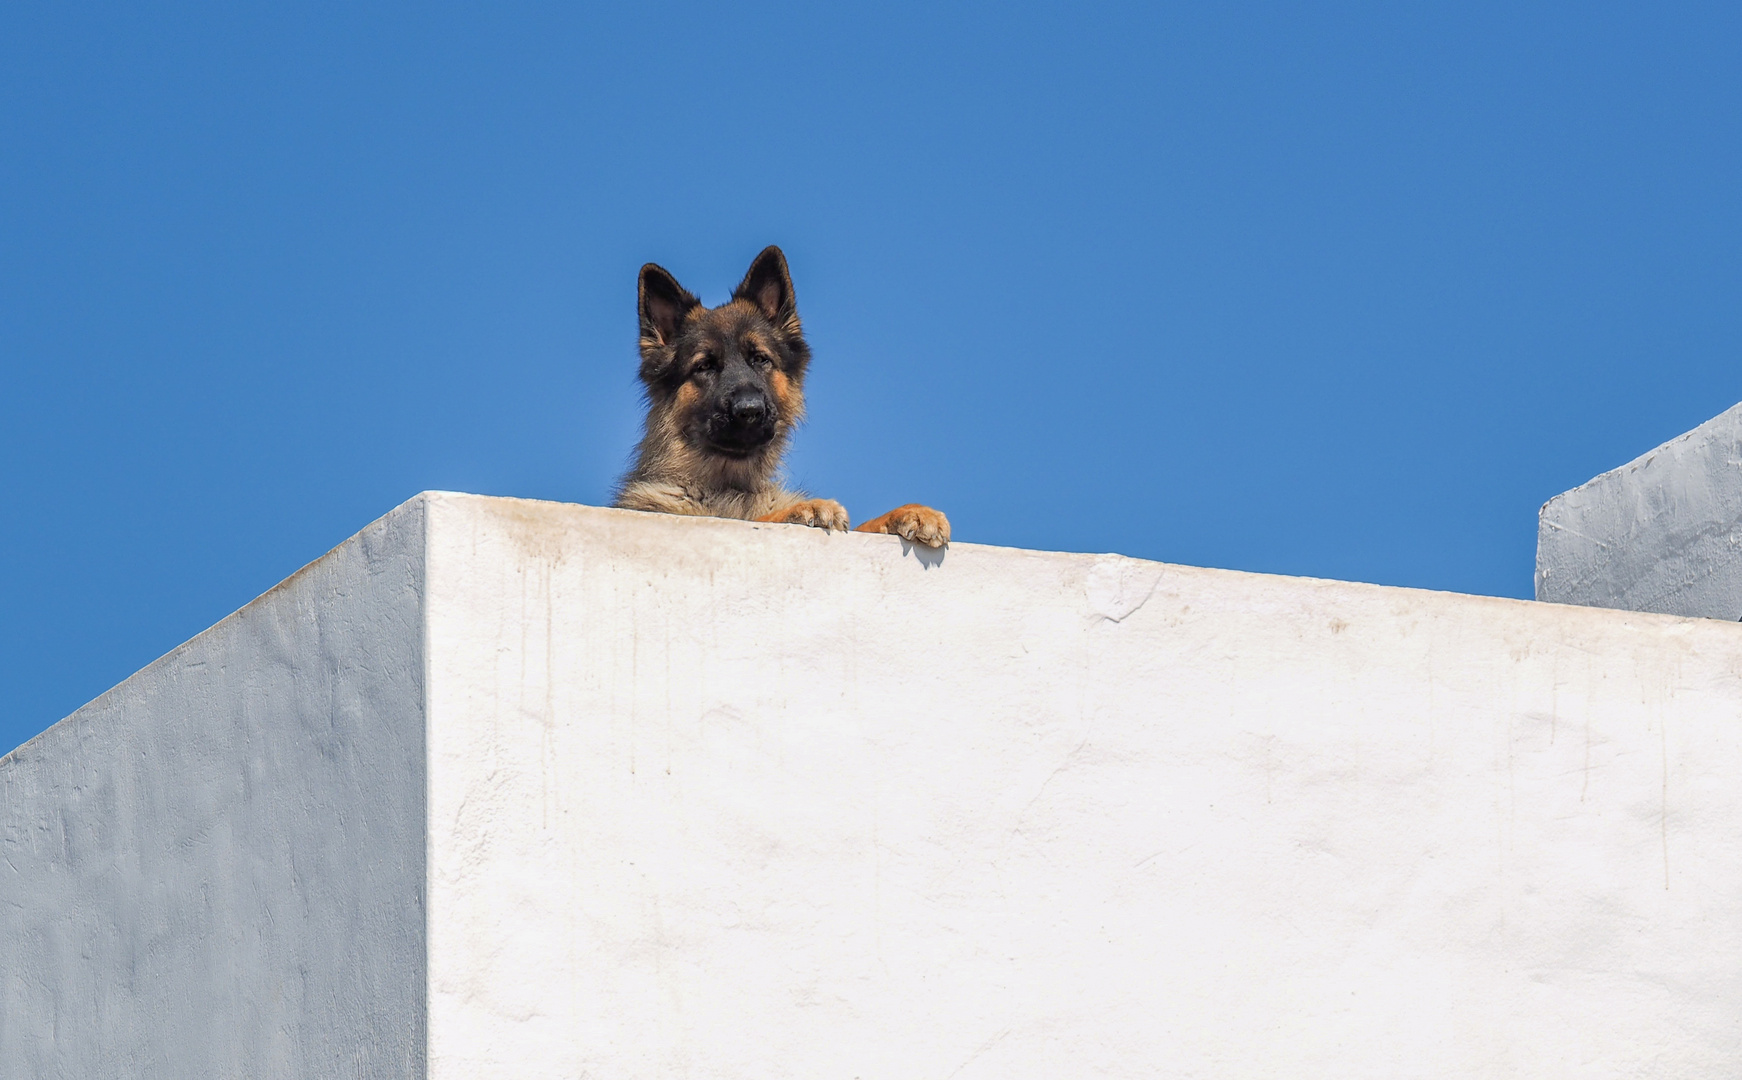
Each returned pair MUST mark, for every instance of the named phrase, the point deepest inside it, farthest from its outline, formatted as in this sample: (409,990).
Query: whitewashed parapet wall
(1661,533)
(516,789)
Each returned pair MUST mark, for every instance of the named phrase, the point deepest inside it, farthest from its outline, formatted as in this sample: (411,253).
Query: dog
(725,389)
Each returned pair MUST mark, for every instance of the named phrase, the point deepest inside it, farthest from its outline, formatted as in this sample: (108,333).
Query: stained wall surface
(715,799)
(217,868)
(515,789)
(1661,533)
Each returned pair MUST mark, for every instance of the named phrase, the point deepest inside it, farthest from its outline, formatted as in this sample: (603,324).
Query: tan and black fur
(725,389)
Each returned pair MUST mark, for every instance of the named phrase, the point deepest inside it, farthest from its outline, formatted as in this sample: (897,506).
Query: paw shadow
(926,555)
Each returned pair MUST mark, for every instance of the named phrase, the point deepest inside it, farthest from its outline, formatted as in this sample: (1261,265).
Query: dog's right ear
(768,285)
(663,303)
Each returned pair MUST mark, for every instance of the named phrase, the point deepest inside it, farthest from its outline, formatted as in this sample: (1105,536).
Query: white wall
(711,799)
(1661,533)
(714,799)
(216,869)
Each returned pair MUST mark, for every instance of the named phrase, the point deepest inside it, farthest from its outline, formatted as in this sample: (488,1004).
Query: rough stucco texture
(217,868)
(700,798)
(1661,533)
(714,799)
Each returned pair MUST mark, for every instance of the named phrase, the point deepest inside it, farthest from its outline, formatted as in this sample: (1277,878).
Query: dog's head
(725,383)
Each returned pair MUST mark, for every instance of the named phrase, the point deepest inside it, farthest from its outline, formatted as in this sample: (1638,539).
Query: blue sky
(1339,290)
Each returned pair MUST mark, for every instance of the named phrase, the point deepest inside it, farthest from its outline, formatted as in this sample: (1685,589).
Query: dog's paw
(817,513)
(921,525)
(915,523)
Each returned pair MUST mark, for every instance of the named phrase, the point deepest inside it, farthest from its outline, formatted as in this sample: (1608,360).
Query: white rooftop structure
(1661,533)
(508,789)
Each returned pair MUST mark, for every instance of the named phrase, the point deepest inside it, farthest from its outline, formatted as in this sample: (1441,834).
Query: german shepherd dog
(725,389)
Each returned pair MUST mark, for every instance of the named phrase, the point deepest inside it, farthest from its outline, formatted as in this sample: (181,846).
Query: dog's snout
(742,418)
(749,409)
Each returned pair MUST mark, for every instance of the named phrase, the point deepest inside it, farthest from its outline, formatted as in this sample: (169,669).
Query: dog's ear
(769,287)
(663,303)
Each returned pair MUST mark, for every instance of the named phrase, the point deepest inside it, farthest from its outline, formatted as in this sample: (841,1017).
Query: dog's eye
(760,360)
(708,364)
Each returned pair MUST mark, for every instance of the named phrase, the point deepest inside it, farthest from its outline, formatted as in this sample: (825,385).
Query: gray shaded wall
(1661,533)
(217,868)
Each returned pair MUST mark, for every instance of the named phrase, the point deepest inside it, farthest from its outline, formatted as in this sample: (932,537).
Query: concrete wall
(714,799)
(705,798)
(1661,533)
(216,869)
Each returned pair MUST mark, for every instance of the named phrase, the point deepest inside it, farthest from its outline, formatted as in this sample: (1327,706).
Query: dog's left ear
(768,285)
(662,304)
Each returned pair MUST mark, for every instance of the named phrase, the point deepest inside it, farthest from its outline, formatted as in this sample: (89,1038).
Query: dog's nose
(749,410)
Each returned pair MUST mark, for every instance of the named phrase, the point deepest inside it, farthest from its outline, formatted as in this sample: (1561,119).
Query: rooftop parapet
(514,789)
(1661,533)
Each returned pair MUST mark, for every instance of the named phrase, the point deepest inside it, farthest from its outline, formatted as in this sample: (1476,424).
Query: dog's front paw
(913,522)
(818,513)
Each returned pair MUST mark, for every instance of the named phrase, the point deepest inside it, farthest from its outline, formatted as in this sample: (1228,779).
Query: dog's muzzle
(742,424)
